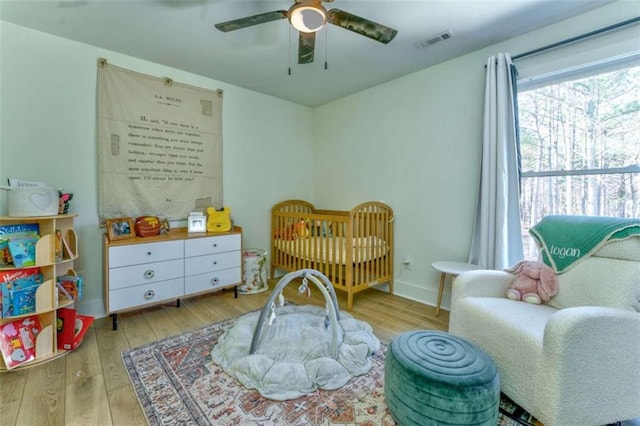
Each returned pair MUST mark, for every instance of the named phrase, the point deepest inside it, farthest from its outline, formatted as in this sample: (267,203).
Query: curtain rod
(577,38)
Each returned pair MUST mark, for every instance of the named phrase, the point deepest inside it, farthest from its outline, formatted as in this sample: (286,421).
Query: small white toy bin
(254,272)
(32,201)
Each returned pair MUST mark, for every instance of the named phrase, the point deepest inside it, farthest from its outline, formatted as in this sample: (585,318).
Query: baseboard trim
(411,291)
(418,293)
(94,308)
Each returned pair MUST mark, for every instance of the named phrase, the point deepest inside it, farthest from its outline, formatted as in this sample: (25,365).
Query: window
(580,144)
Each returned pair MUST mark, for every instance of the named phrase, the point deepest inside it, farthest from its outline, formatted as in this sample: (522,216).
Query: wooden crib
(354,249)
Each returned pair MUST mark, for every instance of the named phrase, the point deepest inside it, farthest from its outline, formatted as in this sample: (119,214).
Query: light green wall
(1,84)
(48,133)
(415,143)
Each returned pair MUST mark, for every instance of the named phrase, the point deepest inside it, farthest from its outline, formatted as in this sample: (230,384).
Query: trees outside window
(580,148)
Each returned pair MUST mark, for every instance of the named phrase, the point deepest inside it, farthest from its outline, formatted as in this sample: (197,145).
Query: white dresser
(146,271)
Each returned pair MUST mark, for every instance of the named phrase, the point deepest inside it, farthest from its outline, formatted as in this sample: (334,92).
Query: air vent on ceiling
(430,41)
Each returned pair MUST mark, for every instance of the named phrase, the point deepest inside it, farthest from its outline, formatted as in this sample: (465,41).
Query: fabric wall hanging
(159,145)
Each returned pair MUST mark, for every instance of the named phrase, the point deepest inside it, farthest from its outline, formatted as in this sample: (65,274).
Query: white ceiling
(181,34)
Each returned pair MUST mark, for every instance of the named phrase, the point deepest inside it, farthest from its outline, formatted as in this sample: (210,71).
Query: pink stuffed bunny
(534,282)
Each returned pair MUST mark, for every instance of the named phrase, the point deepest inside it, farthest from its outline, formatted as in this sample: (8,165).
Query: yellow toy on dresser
(218,220)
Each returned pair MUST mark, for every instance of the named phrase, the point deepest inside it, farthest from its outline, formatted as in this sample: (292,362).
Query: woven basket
(32,201)
(146,226)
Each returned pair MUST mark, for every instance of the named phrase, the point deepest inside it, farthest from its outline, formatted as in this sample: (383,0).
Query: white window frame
(574,73)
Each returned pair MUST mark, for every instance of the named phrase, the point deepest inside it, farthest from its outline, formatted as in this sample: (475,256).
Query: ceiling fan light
(306,18)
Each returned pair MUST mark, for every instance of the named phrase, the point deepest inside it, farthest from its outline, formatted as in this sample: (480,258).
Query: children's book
(58,246)
(72,286)
(66,248)
(71,328)
(15,274)
(23,301)
(22,279)
(64,291)
(23,251)
(20,230)
(23,294)
(5,254)
(13,232)
(18,340)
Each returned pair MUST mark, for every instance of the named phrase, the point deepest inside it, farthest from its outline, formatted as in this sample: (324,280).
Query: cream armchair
(573,361)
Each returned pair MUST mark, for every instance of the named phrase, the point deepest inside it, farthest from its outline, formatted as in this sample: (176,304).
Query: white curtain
(497,238)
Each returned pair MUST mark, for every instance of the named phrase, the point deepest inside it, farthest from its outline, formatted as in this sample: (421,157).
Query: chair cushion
(515,340)
(600,281)
(628,249)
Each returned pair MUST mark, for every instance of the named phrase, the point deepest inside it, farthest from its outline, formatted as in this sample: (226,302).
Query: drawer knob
(215,245)
(215,262)
(214,280)
(148,253)
(148,274)
(149,294)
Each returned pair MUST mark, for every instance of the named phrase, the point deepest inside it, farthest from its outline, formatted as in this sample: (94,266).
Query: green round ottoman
(435,378)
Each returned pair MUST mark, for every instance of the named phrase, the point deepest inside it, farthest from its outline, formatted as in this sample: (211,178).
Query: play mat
(285,352)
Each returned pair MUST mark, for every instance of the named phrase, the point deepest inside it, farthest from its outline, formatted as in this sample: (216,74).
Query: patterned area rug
(177,384)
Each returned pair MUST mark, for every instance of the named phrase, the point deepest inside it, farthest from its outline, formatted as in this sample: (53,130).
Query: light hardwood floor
(90,386)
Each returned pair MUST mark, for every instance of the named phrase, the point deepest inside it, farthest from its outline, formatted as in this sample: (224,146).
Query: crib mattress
(334,249)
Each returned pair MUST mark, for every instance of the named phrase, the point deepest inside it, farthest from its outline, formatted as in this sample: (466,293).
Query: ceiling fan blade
(250,21)
(362,26)
(306,47)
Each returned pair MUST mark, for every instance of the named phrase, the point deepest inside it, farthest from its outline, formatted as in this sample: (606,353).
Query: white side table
(449,268)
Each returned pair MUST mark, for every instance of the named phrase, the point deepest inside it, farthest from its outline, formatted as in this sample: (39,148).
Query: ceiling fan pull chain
(289,51)
(326,44)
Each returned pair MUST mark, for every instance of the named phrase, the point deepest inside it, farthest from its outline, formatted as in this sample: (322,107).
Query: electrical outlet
(407,263)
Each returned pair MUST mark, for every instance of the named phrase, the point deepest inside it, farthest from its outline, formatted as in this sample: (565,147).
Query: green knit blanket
(566,240)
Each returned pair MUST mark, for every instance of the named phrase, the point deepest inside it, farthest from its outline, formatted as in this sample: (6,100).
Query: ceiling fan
(309,16)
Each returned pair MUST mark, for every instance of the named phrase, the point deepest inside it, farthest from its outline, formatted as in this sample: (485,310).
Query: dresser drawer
(145,253)
(211,245)
(211,280)
(145,294)
(212,262)
(128,276)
